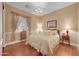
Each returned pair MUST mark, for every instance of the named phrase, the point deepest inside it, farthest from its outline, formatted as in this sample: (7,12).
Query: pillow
(53,32)
(46,32)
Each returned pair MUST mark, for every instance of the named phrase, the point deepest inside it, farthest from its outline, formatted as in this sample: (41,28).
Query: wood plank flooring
(66,50)
(21,49)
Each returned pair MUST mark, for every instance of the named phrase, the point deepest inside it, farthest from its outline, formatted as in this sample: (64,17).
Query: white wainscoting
(15,41)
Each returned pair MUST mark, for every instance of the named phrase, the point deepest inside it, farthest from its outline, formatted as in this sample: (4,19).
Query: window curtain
(22,24)
(15,22)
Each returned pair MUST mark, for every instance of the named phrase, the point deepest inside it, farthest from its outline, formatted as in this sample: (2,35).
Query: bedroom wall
(66,17)
(8,29)
(78,24)
(0,28)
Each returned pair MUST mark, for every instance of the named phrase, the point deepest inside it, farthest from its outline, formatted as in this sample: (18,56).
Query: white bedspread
(44,43)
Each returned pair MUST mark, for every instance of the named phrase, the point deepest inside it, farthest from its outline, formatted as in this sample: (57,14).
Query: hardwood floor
(66,50)
(21,49)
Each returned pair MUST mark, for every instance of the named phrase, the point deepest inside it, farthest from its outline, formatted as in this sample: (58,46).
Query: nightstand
(23,35)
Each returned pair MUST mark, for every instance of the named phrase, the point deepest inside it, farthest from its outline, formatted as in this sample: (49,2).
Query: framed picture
(52,24)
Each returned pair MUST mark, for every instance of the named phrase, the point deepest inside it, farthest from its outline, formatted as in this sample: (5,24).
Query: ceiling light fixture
(38,10)
(38,7)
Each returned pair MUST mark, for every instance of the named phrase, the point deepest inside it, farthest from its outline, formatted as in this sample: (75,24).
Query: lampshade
(39,27)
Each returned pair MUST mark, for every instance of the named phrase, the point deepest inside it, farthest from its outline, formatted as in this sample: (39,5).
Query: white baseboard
(12,43)
(74,44)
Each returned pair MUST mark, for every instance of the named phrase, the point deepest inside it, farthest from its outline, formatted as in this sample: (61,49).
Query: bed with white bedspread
(44,42)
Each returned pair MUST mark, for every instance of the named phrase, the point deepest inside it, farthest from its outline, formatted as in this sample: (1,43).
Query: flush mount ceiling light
(38,7)
(38,10)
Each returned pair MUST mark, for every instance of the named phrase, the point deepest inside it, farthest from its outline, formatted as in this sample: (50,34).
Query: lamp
(39,27)
(67,27)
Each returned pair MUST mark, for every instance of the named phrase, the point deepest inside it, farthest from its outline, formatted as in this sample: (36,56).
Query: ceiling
(43,7)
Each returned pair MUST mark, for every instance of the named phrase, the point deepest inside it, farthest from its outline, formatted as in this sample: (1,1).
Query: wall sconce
(39,28)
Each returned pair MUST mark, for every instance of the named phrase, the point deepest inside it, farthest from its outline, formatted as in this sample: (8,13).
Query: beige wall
(78,24)
(65,17)
(8,28)
(0,28)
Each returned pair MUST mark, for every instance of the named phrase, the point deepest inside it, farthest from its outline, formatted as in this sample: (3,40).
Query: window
(22,25)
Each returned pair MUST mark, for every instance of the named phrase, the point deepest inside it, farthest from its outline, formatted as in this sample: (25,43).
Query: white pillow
(53,32)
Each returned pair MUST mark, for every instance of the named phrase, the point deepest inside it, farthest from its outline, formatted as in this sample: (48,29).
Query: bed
(44,42)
